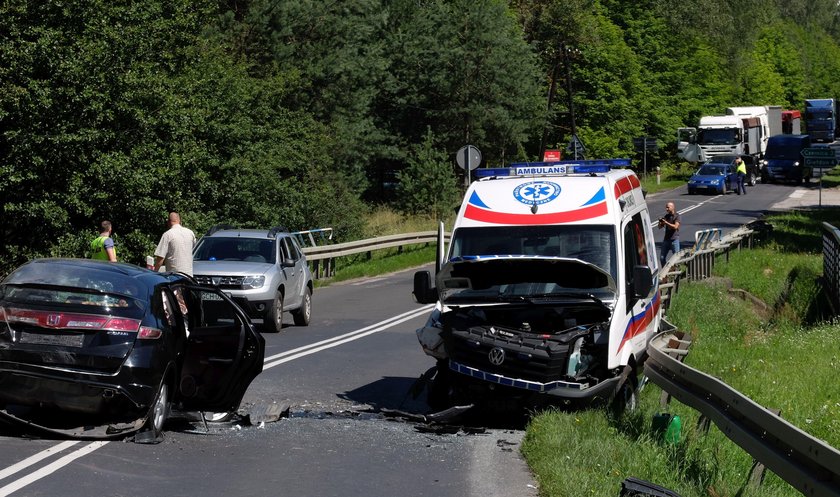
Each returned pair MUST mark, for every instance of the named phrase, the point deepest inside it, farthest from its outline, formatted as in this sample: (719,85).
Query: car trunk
(73,334)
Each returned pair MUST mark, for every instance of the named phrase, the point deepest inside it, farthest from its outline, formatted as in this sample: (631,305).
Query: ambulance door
(639,308)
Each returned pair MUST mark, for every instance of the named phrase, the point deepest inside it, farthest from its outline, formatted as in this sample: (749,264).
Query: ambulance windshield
(593,244)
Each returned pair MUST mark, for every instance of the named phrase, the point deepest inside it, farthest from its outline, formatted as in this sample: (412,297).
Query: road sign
(552,156)
(821,152)
(645,144)
(819,162)
(468,156)
(576,147)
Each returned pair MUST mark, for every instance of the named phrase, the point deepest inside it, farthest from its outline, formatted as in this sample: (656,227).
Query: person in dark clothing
(741,174)
(671,222)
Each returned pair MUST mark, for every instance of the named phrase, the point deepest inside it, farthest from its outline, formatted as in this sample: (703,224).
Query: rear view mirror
(642,281)
(424,292)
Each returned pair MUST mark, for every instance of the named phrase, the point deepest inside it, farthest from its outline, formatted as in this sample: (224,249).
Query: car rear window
(69,285)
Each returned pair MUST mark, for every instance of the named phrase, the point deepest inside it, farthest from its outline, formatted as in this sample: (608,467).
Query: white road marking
(29,461)
(306,350)
(50,468)
(270,362)
(798,194)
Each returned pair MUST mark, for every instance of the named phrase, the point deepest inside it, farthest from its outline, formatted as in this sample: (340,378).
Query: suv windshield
(593,244)
(235,249)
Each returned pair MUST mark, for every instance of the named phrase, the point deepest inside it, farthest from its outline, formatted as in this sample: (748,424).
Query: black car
(93,349)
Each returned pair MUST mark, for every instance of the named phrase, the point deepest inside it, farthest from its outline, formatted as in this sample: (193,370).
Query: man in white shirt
(175,247)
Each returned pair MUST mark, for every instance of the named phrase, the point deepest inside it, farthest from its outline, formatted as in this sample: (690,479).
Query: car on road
(264,271)
(712,177)
(94,349)
(754,167)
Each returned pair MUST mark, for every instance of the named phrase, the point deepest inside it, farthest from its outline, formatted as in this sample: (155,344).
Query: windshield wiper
(542,297)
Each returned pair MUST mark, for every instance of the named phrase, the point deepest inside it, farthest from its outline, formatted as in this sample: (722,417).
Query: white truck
(742,131)
(549,291)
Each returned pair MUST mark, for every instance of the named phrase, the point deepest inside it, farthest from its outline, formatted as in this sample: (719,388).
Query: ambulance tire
(438,395)
(626,398)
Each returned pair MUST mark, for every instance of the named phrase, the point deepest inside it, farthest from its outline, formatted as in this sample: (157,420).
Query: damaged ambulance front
(523,327)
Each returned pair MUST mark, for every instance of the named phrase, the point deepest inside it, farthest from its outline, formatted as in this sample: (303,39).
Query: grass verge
(781,355)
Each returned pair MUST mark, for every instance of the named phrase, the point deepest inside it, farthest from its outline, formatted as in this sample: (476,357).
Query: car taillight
(149,333)
(66,320)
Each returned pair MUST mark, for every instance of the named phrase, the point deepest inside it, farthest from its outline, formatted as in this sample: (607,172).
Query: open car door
(224,352)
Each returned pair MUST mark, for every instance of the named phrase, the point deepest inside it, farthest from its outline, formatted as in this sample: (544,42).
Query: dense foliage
(303,114)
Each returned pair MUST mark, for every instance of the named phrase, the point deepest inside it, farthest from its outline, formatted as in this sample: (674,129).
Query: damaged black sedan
(92,349)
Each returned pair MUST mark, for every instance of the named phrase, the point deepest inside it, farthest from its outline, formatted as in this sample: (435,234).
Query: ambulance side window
(635,250)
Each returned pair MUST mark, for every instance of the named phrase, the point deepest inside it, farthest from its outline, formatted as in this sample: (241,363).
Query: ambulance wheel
(626,398)
(438,396)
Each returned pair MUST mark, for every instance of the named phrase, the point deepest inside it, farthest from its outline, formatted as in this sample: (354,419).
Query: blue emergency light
(553,168)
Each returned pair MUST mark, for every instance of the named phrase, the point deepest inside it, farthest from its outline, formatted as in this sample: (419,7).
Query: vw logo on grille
(496,356)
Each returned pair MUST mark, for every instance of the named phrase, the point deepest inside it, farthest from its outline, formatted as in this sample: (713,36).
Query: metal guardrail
(831,264)
(807,463)
(326,253)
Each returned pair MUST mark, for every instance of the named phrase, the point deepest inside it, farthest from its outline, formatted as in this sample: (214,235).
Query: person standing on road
(671,222)
(102,247)
(741,173)
(175,247)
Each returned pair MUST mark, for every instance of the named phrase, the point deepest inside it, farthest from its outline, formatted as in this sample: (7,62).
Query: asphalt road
(359,357)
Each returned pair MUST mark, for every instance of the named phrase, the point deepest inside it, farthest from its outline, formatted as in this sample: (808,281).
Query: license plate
(62,340)
(209,296)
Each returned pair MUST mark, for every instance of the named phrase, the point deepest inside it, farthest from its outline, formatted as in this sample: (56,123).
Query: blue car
(713,178)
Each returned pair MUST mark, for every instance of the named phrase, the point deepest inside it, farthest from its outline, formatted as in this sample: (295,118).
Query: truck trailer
(820,119)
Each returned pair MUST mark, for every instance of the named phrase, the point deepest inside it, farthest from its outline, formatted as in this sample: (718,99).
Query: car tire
(160,410)
(751,180)
(691,191)
(273,322)
(723,188)
(303,314)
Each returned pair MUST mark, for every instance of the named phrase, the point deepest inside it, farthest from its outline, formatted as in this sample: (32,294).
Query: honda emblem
(496,356)
(53,319)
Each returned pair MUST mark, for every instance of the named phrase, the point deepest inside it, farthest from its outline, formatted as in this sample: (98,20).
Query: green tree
(427,185)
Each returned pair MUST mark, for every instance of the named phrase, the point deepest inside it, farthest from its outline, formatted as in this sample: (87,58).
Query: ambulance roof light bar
(553,168)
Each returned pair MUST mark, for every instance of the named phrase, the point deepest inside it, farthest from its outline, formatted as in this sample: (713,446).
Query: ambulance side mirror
(424,292)
(642,281)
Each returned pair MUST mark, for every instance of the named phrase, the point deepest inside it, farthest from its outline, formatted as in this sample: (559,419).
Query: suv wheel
(304,312)
(273,321)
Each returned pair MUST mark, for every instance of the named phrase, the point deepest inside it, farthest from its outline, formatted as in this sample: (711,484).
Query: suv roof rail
(272,233)
(219,227)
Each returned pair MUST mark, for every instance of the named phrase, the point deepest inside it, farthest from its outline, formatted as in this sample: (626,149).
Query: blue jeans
(739,186)
(669,246)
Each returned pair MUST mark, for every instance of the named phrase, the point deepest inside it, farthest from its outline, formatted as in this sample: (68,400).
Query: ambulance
(548,293)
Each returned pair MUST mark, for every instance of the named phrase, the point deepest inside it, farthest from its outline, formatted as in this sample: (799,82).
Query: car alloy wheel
(160,411)
(304,313)
(273,321)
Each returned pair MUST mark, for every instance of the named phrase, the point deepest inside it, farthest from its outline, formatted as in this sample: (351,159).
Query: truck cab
(548,291)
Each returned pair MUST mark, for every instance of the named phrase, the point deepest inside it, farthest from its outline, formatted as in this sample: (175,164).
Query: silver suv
(264,271)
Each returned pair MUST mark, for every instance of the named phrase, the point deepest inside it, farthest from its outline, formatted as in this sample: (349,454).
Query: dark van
(783,159)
